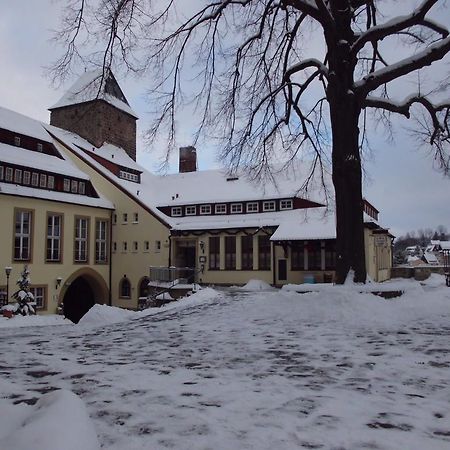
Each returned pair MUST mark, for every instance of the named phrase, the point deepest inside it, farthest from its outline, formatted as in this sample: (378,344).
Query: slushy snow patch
(58,421)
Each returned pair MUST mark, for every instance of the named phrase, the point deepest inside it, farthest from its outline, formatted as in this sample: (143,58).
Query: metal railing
(180,275)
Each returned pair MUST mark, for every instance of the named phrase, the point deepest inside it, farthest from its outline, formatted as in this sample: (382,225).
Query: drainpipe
(110,258)
(170,250)
(273,263)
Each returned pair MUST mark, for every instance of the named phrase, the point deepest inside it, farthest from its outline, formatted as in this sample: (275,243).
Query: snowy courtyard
(236,369)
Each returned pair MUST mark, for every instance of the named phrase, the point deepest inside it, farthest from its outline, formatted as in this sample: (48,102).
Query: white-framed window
(269,206)
(34,179)
(81,239)
(220,208)
(135,246)
(17,141)
(191,210)
(18,176)
(2,172)
(66,186)
(101,241)
(40,147)
(286,204)
(128,176)
(26,177)
(236,208)
(82,187)
(51,182)
(252,207)
(176,211)
(54,224)
(125,217)
(146,246)
(43,180)
(114,247)
(124,246)
(74,186)
(135,217)
(114,219)
(8,174)
(39,294)
(205,209)
(157,246)
(22,235)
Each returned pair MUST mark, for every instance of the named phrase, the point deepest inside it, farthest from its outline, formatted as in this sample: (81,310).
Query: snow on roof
(306,224)
(13,121)
(66,197)
(116,155)
(41,161)
(87,88)
(215,186)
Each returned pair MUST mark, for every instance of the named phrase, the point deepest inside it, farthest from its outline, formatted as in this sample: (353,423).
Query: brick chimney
(188,159)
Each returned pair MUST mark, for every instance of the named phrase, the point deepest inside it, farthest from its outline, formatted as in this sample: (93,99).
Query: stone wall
(98,122)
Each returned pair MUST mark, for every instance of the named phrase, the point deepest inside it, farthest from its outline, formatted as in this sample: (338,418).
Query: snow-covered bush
(23,296)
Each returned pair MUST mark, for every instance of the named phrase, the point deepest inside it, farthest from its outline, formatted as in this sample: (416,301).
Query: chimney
(188,159)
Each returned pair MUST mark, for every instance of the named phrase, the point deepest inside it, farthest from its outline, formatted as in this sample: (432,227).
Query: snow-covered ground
(240,369)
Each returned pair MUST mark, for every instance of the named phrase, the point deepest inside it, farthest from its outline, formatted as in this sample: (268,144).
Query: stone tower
(96,109)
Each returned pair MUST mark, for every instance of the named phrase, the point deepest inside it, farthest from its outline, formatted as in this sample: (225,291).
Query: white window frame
(26,177)
(252,207)
(17,141)
(125,218)
(114,247)
(35,179)
(205,209)
(81,239)
(9,173)
(81,187)
(190,210)
(269,206)
(18,176)
(66,186)
(74,187)
(2,172)
(157,246)
(236,208)
(40,147)
(135,246)
(39,296)
(23,235)
(124,246)
(101,241)
(176,211)
(286,204)
(54,231)
(135,217)
(51,182)
(219,206)
(42,180)
(146,246)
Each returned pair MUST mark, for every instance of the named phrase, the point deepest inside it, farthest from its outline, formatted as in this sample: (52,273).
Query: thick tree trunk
(344,115)
(348,190)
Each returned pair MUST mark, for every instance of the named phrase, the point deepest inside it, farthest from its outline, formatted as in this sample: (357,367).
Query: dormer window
(221,208)
(269,206)
(286,204)
(17,141)
(66,186)
(236,208)
(34,179)
(205,209)
(191,210)
(74,186)
(252,207)
(176,211)
(51,182)
(43,181)
(129,176)
(18,176)
(40,147)
(81,187)
(26,177)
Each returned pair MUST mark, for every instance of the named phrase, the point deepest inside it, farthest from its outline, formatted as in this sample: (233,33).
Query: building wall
(134,264)
(42,273)
(98,122)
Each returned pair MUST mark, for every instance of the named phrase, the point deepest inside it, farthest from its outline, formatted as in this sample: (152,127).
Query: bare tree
(269,77)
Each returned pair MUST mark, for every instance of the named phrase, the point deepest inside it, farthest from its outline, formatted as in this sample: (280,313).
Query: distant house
(90,221)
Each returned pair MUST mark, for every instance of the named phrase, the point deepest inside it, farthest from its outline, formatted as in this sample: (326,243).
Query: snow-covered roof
(41,161)
(306,224)
(95,85)
(216,186)
(116,155)
(13,121)
(66,197)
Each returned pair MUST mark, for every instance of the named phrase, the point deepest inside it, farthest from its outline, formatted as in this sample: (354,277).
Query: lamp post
(7,272)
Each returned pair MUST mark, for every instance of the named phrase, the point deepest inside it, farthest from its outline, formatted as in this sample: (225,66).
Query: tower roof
(96,85)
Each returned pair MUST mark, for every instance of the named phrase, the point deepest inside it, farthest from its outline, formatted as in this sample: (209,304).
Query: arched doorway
(79,299)
(81,292)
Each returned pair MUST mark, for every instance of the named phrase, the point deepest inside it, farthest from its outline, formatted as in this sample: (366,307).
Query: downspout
(170,249)
(110,258)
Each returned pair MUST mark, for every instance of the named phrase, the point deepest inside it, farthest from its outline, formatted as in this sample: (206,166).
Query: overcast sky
(402,183)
